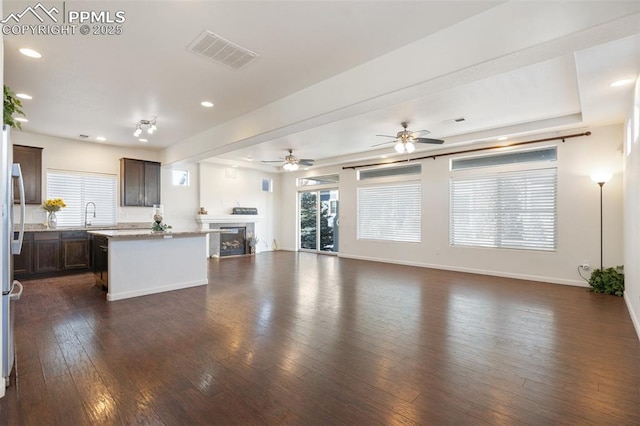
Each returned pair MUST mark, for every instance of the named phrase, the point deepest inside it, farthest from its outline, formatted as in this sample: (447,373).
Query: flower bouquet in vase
(52,206)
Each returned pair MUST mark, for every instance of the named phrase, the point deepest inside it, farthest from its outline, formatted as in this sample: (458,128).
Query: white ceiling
(331,74)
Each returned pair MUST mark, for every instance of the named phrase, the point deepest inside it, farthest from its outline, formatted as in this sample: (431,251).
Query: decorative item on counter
(52,206)
(252,240)
(202,211)
(158,217)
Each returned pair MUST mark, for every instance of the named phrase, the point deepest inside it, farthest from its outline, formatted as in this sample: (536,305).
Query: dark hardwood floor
(286,338)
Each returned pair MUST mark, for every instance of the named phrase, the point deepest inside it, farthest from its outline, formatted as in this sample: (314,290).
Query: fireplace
(233,242)
(248,222)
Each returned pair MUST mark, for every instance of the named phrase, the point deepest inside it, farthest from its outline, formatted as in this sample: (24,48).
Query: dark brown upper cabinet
(139,183)
(30,159)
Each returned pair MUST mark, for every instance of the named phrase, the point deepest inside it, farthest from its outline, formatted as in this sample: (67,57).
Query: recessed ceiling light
(623,82)
(502,138)
(24,96)
(20,119)
(143,140)
(206,104)
(101,138)
(30,53)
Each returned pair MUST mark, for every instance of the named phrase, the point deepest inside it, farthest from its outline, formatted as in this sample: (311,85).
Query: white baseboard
(552,280)
(2,387)
(634,317)
(144,292)
(286,249)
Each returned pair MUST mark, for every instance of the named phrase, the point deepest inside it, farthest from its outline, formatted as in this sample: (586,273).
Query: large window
(390,212)
(522,156)
(319,180)
(78,189)
(379,172)
(515,209)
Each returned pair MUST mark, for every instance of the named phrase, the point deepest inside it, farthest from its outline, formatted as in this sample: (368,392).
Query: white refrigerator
(11,289)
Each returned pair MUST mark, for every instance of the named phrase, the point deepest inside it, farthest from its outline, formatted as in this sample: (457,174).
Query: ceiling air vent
(454,120)
(216,48)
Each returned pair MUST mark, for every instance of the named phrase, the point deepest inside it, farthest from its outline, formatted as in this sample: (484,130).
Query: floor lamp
(601,179)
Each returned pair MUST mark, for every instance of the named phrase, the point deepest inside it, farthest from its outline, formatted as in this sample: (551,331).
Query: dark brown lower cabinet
(47,252)
(53,252)
(100,256)
(76,250)
(75,254)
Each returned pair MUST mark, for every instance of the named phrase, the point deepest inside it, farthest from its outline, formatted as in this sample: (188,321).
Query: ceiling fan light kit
(405,140)
(402,147)
(290,167)
(291,163)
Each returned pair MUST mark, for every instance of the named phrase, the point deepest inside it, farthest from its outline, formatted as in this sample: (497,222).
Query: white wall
(180,202)
(632,212)
(578,218)
(223,187)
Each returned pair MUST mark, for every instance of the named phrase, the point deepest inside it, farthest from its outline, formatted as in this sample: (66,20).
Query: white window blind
(507,210)
(378,172)
(78,189)
(390,212)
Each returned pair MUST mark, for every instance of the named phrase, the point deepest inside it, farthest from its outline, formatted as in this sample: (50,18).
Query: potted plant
(12,107)
(608,281)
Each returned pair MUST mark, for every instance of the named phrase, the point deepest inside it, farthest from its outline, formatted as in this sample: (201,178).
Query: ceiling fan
(405,139)
(291,163)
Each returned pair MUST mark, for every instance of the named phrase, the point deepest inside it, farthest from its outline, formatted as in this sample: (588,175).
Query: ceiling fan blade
(273,161)
(427,140)
(306,162)
(421,131)
(384,143)
(387,136)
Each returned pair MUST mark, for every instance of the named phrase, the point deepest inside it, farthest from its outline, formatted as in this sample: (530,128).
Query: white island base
(147,263)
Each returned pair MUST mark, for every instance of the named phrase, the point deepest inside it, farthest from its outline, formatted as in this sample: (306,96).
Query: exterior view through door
(319,211)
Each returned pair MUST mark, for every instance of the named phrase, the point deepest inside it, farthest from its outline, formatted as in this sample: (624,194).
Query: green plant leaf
(607,281)
(12,107)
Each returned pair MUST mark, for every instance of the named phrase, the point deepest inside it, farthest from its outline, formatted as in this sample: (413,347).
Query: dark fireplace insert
(234,242)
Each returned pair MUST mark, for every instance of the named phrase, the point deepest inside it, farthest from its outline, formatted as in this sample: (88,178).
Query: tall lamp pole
(601,179)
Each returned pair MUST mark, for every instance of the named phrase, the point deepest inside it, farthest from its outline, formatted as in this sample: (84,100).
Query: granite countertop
(147,233)
(39,227)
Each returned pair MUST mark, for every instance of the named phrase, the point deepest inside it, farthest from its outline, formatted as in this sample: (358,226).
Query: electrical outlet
(585,265)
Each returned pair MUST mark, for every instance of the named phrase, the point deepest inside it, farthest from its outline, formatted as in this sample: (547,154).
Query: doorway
(319,221)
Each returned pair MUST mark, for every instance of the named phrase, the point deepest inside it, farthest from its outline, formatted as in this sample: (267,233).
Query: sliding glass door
(319,220)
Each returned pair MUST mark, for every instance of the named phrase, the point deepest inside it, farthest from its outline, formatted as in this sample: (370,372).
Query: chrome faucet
(87,222)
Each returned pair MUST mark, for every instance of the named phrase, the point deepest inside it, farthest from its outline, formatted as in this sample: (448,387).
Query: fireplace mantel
(204,220)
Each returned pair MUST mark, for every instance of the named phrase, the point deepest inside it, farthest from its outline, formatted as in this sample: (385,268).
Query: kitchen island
(142,261)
